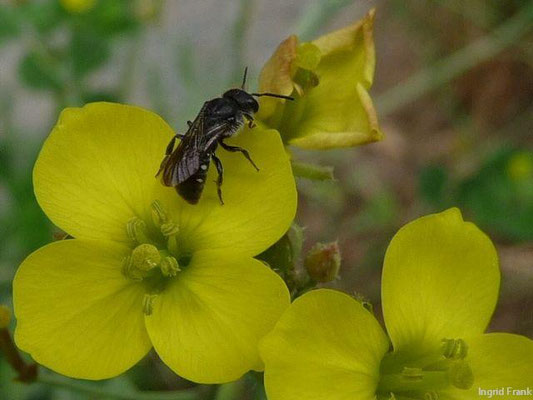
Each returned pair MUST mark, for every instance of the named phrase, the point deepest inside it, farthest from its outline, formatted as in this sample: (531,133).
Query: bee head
(244,100)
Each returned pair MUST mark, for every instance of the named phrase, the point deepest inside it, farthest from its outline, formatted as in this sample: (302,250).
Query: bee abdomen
(191,189)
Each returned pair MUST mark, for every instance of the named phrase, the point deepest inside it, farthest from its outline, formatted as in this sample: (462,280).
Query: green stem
(99,392)
(457,63)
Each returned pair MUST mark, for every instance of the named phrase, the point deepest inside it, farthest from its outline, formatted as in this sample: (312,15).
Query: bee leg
(250,120)
(220,170)
(189,123)
(234,149)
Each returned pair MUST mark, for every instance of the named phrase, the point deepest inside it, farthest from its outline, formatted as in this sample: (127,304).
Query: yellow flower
(145,268)
(77,6)
(439,289)
(329,78)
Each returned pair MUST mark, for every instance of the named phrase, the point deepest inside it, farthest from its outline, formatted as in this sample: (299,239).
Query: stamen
(148,303)
(136,229)
(162,219)
(455,349)
(159,214)
(169,229)
(169,266)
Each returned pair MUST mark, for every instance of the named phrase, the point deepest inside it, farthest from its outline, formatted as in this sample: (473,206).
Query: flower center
(424,377)
(154,259)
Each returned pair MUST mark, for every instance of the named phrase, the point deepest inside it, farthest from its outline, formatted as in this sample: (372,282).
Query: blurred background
(453,90)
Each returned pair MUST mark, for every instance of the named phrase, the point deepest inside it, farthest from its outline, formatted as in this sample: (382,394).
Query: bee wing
(184,161)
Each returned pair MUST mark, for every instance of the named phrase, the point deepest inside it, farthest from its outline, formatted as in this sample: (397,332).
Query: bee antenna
(279,96)
(244,78)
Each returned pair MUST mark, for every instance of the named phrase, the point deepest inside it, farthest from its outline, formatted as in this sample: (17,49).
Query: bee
(185,166)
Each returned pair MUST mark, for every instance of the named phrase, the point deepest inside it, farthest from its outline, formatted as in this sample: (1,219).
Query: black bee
(185,167)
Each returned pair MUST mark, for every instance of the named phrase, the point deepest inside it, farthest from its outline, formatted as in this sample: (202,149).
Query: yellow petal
(498,361)
(276,76)
(76,313)
(326,346)
(258,206)
(96,172)
(207,324)
(345,42)
(440,281)
(96,169)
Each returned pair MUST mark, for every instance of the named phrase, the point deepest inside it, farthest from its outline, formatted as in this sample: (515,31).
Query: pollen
(142,259)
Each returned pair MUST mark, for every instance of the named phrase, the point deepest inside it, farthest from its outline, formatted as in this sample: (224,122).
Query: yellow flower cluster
(147,270)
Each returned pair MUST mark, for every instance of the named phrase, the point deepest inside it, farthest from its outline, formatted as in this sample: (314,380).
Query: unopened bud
(323,262)
(5,316)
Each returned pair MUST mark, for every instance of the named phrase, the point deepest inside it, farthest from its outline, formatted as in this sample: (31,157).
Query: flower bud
(323,262)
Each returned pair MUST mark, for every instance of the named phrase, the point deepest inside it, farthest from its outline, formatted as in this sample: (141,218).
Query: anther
(148,303)
(455,349)
(169,229)
(159,214)
(136,230)
(162,219)
(169,266)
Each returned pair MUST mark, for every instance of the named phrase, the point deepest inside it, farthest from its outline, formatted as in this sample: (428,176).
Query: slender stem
(99,392)
(26,372)
(457,63)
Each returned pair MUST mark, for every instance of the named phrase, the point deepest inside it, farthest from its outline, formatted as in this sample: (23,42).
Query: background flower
(329,77)
(440,286)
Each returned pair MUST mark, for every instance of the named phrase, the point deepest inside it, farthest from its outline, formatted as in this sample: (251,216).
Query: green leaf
(89,50)
(43,15)
(500,200)
(9,22)
(111,17)
(432,184)
(38,72)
